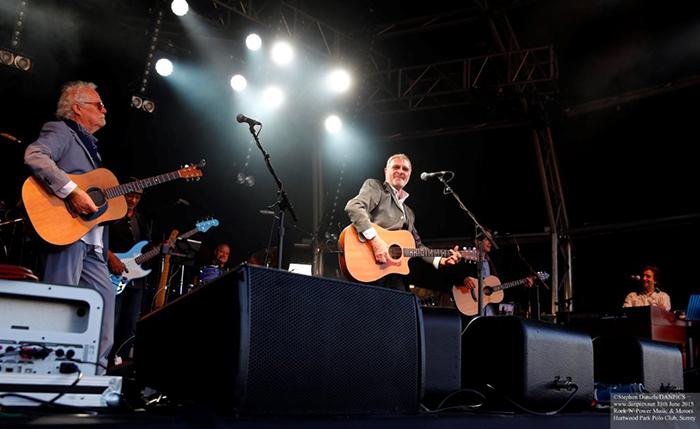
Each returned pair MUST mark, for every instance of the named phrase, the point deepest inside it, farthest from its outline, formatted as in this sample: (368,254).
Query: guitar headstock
(543,275)
(470,254)
(193,171)
(203,226)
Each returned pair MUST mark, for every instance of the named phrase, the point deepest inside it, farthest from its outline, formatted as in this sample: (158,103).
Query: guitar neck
(138,185)
(156,250)
(443,253)
(510,284)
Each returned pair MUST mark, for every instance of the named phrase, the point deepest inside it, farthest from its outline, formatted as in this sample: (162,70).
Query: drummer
(218,264)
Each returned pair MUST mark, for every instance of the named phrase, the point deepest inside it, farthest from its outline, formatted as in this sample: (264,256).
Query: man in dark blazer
(384,204)
(68,146)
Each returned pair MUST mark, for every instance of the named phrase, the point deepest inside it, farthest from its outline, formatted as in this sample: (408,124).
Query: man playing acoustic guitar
(68,146)
(383,204)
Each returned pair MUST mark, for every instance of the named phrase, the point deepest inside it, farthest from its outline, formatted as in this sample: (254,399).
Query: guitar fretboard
(510,284)
(138,185)
(443,253)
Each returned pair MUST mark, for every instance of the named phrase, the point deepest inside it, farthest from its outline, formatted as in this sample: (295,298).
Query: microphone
(425,176)
(635,277)
(243,118)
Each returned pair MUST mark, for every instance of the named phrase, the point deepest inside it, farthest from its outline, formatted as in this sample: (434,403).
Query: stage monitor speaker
(53,322)
(265,341)
(443,353)
(626,360)
(535,364)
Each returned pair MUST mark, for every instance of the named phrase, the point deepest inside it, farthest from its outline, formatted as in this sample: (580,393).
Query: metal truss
(446,84)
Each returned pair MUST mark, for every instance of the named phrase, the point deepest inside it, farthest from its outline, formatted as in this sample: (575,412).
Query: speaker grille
(318,345)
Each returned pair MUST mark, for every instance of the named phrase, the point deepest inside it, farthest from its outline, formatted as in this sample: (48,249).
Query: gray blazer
(57,152)
(377,204)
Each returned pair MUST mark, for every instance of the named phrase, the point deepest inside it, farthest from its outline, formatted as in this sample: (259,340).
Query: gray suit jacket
(376,204)
(58,151)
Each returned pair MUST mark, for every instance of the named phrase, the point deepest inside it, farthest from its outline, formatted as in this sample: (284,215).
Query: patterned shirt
(657,298)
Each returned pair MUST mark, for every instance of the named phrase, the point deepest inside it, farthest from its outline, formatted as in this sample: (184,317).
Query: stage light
(282,53)
(339,81)
(18,61)
(23,63)
(238,83)
(140,103)
(273,96)
(180,7)
(164,67)
(333,124)
(253,42)
(7,57)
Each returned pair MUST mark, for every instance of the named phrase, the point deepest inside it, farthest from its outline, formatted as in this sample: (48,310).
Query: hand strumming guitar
(381,250)
(115,265)
(81,202)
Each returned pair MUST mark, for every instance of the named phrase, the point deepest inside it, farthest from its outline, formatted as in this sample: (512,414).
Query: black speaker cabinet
(443,352)
(265,341)
(527,361)
(627,360)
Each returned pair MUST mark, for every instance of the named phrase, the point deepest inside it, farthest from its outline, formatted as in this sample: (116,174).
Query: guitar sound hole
(395,251)
(487,291)
(97,196)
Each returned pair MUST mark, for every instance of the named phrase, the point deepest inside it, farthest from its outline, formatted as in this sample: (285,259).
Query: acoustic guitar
(467,299)
(58,223)
(133,258)
(159,299)
(357,257)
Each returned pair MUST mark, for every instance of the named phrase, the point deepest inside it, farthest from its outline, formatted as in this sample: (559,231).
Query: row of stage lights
(281,54)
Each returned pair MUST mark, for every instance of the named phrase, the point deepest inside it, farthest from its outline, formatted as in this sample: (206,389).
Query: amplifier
(43,325)
(23,390)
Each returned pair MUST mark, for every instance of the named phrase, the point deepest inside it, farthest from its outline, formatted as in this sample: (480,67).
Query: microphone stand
(477,228)
(282,203)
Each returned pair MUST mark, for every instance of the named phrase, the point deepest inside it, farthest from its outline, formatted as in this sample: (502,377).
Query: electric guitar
(133,258)
(357,257)
(467,299)
(56,221)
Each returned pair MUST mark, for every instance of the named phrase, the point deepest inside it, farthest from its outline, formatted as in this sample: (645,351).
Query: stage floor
(177,419)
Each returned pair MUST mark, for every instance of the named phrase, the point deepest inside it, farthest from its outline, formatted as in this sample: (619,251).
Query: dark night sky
(627,163)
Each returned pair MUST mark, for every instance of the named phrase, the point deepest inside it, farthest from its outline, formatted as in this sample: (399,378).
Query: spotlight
(164,67)
(282,53)
(238,83)
(140,103)
(7,57)
(339,80)
(253,42)
(18,61)
(273,96)
(23,63)
(149,106)
(179,7)
(333,124)
(242,179)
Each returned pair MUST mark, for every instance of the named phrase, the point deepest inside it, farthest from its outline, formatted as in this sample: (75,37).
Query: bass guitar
(357,257)
(133,258)
(467,298)
(55,220)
